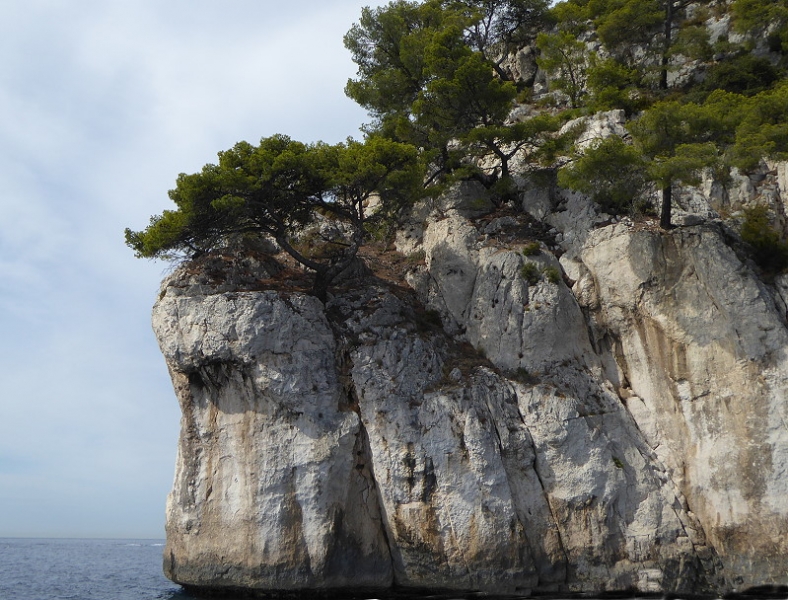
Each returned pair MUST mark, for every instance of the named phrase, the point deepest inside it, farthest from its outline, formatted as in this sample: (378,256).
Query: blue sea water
(59,569)
(92,569)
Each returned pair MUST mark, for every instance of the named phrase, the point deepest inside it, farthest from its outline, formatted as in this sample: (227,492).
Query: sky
(103,104)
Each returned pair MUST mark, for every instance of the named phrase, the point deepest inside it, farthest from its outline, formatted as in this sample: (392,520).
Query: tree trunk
(667,201)
(320,286)
(663,75)
(504,76)
(504,166)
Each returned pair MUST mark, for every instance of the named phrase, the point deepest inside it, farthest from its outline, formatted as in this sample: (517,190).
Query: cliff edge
(613,420)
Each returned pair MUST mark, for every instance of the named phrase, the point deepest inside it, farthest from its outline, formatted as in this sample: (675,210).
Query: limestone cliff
(533,398)
(615,420)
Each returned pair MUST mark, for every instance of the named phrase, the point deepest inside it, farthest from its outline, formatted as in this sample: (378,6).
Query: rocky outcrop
(267,477)
(477,285)
(318,456)
(513,423)
(701,349)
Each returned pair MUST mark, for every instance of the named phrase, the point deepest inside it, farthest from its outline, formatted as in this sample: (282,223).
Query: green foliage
(612,172)
(427,76)
(622,23)
(764,128)
(277,188)
(572,16)
(770,249)
(684,164)
(565,58)
(678,139)
(530,272)
(724,46)
(532,249)
(380,227)
(721,114)
(741,74)
(456,96)
(164,238)
(213,204)
(493,28)
(388,46)
(534,139)
(612,84)
(502,191)
(552,274)
(431,74)
(663,127)
(641,33)
(756,17)
(672,143)
(751,13)
(693,42)
(463,93)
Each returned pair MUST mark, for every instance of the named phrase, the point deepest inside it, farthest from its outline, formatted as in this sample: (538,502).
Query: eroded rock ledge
(628,433)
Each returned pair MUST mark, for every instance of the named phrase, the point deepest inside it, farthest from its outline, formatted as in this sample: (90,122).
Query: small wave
(156,545)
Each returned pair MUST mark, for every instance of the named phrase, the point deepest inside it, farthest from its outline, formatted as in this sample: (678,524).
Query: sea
(98,569)
(61,569)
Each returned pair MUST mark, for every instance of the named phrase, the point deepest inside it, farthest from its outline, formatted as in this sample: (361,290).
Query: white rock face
(626,433)
(621,522)
(315,456)
(598,126)
(272,480)
(521,65)
(702,345)
(766,186)
(483,296)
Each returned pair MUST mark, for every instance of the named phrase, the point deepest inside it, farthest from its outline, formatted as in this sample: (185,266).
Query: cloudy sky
(103,104)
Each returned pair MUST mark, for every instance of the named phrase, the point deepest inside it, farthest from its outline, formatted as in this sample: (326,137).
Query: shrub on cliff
(639,34)
(759,17)
(277,188)
(672,142)
(763,130)
(769,248)
(742,74)
(611,172)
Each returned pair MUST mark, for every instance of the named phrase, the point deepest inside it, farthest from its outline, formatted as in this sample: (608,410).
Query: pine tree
(277,188)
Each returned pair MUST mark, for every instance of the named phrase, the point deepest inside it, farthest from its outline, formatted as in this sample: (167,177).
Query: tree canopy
(434,78)
(612,173)
(277,188)
(496,27)
(430,74)
(731,116)
(759,17)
